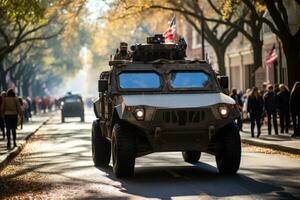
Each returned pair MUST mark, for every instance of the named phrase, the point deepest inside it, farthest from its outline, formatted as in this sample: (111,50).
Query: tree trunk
(292,54)
(220,53)
(3,79)
(25,88)
(257,59)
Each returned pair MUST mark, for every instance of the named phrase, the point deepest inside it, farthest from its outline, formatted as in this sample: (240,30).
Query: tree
(280,26)
(290,39)
(28,21)
(20,22)
(194,11)
(253,20)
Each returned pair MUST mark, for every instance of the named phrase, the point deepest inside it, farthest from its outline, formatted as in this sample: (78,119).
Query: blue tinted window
(139,80)
(189,79)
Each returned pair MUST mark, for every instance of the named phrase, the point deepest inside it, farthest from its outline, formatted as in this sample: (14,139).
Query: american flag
(169,34)
(272,56)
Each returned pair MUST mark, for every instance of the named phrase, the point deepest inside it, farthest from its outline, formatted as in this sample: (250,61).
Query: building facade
(239,54)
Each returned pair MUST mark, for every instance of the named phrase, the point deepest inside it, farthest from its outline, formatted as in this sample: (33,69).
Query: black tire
(101,148)
(82,118)
(191,156)
(123,151)
(228,157)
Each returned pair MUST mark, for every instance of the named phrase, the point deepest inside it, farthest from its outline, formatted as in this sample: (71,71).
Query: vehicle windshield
(189,79)
(139,80)
(72,99)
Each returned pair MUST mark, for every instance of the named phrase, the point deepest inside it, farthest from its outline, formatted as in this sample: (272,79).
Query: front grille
(180,117)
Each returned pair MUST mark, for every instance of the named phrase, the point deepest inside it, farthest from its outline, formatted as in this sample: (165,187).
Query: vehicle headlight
(140,113)
(224,111)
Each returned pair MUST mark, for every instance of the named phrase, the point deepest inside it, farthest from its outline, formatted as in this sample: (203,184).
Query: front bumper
(183,129)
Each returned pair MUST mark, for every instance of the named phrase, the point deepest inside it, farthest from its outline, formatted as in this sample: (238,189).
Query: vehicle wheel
(191,156)
(123,151)
(228,157)
(82,118)
(101,149)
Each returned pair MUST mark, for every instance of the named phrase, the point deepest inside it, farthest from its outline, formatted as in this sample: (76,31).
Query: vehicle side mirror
(224,82)
(102,85)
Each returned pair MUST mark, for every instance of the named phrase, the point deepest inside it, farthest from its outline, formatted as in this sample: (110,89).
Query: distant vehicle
(72,106)
(160,102)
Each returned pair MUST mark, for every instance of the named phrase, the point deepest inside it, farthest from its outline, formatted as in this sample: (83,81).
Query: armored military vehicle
(160,102)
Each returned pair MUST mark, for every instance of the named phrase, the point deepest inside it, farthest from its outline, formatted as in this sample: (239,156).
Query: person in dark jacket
(2,123)
(239,105)
(255,109)
(283,101)
(295,108)
(270,104)
(276,88)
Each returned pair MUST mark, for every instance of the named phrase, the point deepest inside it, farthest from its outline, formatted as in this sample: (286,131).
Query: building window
(197,40)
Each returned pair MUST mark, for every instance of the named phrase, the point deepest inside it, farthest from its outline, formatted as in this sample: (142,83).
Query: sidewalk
(281,142)
(22,137)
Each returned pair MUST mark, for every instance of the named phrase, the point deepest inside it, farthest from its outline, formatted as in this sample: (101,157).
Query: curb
(272,146)
(12,154)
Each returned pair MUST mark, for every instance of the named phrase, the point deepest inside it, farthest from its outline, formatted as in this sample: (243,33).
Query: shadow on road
(69,153)
(165,182)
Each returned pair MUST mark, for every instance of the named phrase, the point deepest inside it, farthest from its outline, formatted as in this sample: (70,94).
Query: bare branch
(214,7)
(2,32)
(15,64)
(276,16)
(43,37)
(297,35)
(283,11)
(34,30)
(250,5)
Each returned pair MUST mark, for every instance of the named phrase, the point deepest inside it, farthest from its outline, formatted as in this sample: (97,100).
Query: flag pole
(176,36)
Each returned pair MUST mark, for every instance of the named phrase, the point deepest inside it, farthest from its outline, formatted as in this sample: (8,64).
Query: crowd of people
(269,103)
(257,105)
(14,111)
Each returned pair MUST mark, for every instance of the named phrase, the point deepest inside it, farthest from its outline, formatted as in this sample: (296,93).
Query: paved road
(57,164)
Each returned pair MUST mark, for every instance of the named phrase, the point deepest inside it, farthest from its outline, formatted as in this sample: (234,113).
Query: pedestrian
(29,108)
(270,105)
(255,109)
(283,101)
(25,111)
(295,108)
(34,106)
(2,123)
(262,92)
(245,104)
(11,109)
(276,88)
(44,104)
(21,119)
(239,105)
